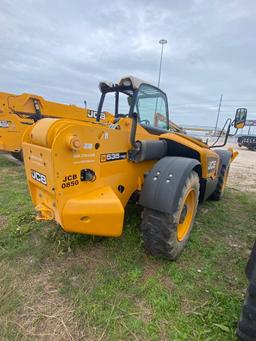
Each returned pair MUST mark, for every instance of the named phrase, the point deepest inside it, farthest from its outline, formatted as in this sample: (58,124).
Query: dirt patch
(94,256)
(144,310)
(167,283)
(189,307)
(89,258)
(150,269)
(45,314)
(3,221)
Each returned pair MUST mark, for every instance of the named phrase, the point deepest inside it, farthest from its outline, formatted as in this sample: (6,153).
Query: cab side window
(151,106)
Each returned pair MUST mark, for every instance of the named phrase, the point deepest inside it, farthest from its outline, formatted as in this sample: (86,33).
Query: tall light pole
(218,115)
(162,42)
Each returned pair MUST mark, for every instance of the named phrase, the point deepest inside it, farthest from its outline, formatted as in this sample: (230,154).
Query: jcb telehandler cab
(17,112)
(82,174)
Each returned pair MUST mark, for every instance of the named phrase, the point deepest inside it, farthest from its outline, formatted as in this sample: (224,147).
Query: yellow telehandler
(17,112)
(82,174)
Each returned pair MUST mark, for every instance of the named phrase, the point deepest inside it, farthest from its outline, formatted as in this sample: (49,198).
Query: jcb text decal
(113,156)
(39,177)
(93,114)
(69,181)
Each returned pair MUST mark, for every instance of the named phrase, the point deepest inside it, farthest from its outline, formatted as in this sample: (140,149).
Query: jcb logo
(103,158)
(212,165)
(39,177)
(93,114)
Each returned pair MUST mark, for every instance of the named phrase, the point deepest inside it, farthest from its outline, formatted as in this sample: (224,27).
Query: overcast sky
(62,49)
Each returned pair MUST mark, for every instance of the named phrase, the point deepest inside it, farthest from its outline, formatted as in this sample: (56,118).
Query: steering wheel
(147,122)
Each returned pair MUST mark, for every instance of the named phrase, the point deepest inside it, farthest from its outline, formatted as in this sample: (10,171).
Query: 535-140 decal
(113,157)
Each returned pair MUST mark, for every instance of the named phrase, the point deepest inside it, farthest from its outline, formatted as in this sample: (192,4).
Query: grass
(58,286)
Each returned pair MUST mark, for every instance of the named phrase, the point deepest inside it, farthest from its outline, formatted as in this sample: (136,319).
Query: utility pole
(218,115)
(162,42)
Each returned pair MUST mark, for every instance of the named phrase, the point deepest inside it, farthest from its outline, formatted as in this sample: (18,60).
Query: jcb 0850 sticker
(69,181)
(113,157)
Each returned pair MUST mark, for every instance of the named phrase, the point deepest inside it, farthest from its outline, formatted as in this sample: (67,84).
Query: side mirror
(240,118)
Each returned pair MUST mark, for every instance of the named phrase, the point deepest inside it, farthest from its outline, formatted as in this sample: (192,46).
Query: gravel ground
(242,174)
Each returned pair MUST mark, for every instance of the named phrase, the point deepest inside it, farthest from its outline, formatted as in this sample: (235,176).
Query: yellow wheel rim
(186,214)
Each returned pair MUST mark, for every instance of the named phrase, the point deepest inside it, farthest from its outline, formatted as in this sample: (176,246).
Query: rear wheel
(166,234)
(221,185)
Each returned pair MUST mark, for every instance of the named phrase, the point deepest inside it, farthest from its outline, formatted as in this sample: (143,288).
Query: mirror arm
(234,133)
(226,136)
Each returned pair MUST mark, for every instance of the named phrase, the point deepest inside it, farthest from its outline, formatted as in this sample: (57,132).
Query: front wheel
(166,235)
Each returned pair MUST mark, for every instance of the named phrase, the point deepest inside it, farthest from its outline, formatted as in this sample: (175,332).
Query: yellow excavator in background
(17,112)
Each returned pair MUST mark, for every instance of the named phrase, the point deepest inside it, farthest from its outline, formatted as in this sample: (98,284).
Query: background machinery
(132,155)
(247,141)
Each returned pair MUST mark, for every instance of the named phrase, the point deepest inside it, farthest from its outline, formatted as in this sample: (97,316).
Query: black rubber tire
(246,330)
(219,190)
(18,156)
(252,293)
(159,230)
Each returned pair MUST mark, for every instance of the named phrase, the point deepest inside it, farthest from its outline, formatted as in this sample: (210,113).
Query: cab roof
(129,82)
